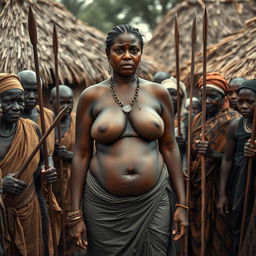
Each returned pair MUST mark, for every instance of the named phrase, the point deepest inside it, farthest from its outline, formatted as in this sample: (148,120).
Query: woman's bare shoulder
(94,92)
(154,87)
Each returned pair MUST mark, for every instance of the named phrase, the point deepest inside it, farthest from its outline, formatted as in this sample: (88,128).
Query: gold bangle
(182,206)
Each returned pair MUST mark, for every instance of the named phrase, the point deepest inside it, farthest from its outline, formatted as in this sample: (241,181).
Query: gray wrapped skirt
(129,226)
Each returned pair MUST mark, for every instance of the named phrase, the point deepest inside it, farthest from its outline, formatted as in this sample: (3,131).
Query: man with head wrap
(18,137)
(218,118)
(234,164)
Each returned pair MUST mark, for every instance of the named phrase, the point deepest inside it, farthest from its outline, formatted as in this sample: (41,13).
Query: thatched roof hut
(82,58)
(233,56)
(224,17)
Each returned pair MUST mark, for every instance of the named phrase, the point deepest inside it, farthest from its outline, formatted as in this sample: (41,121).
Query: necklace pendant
(127,108)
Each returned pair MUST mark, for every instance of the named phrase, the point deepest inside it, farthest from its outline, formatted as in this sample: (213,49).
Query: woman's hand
(49,175)
(78,235)
(250,149)
(222,205)
(180,223)
(12,185)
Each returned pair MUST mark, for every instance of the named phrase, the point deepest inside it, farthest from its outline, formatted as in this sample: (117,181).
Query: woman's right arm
(226,166)
(83,151)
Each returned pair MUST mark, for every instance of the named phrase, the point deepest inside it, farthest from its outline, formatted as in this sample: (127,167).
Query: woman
(126,206)
(218,118)
(234,164)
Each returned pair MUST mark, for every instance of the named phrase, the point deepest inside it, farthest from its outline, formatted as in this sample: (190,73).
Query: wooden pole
(193,48)
(203,169)
(247,187)
(33,39)
(60,161)
(177,42)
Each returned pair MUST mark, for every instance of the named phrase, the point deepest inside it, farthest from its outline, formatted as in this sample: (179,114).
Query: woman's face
(246,102)
(13,104)
(125,54)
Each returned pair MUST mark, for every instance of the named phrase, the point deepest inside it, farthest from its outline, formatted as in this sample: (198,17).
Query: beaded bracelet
(182,206)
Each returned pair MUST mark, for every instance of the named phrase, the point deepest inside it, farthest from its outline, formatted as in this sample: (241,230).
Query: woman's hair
(121,29)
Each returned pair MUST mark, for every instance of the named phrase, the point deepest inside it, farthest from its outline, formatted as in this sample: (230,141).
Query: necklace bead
(126,108)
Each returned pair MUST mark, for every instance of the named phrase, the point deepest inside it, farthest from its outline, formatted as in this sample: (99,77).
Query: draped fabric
(23,229)
(68,140)
(217,233)
(48,116)
(128,226)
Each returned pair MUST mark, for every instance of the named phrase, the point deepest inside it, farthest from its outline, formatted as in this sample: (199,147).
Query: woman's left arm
(171,155)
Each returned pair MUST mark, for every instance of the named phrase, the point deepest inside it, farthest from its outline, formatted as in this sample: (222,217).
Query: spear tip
(32,27)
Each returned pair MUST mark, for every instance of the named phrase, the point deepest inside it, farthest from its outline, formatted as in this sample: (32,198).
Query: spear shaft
(177,42)
(203,176)
(33,39)
(193,47)
(60,161)
(247,187)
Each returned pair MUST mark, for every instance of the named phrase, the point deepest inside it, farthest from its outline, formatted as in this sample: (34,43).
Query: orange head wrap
(216,81)
(9,82)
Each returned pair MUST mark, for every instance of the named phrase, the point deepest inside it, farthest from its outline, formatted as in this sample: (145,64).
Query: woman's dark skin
(127,161)
(66,98)
(214,102)
(246,102)
(12,107)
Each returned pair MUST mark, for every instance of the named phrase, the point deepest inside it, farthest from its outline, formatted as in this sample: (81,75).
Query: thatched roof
(224,17)
(234,56)
(81,47)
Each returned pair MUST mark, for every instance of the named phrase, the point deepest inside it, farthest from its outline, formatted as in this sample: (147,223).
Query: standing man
(18,138)
(64,148)
(218,119)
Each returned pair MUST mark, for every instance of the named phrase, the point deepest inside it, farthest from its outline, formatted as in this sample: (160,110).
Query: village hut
(224,17)
(82,60)
(233,56)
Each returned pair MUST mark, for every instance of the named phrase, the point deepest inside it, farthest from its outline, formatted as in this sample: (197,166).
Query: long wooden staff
(33,39)
(177,43)
(247,187)
(203,168)
(60,161)
(193,47)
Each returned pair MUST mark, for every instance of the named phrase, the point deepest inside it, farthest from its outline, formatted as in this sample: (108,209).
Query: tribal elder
(234,164)
(218,119)
(18,138)
(125,156)
(31,111)
(64,147)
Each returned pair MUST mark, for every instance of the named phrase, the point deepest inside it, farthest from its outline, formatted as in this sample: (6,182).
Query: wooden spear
(33,39)
(60,161)
(203,175)
(193,47)
(177,42)
(247,187)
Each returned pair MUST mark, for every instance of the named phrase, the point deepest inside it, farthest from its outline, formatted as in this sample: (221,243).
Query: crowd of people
(118,163)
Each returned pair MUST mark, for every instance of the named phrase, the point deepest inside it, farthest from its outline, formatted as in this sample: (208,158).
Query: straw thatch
(81,47)
(224,17)
(234,56)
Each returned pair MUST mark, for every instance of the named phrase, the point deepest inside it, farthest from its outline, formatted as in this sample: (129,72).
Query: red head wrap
(216,81)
